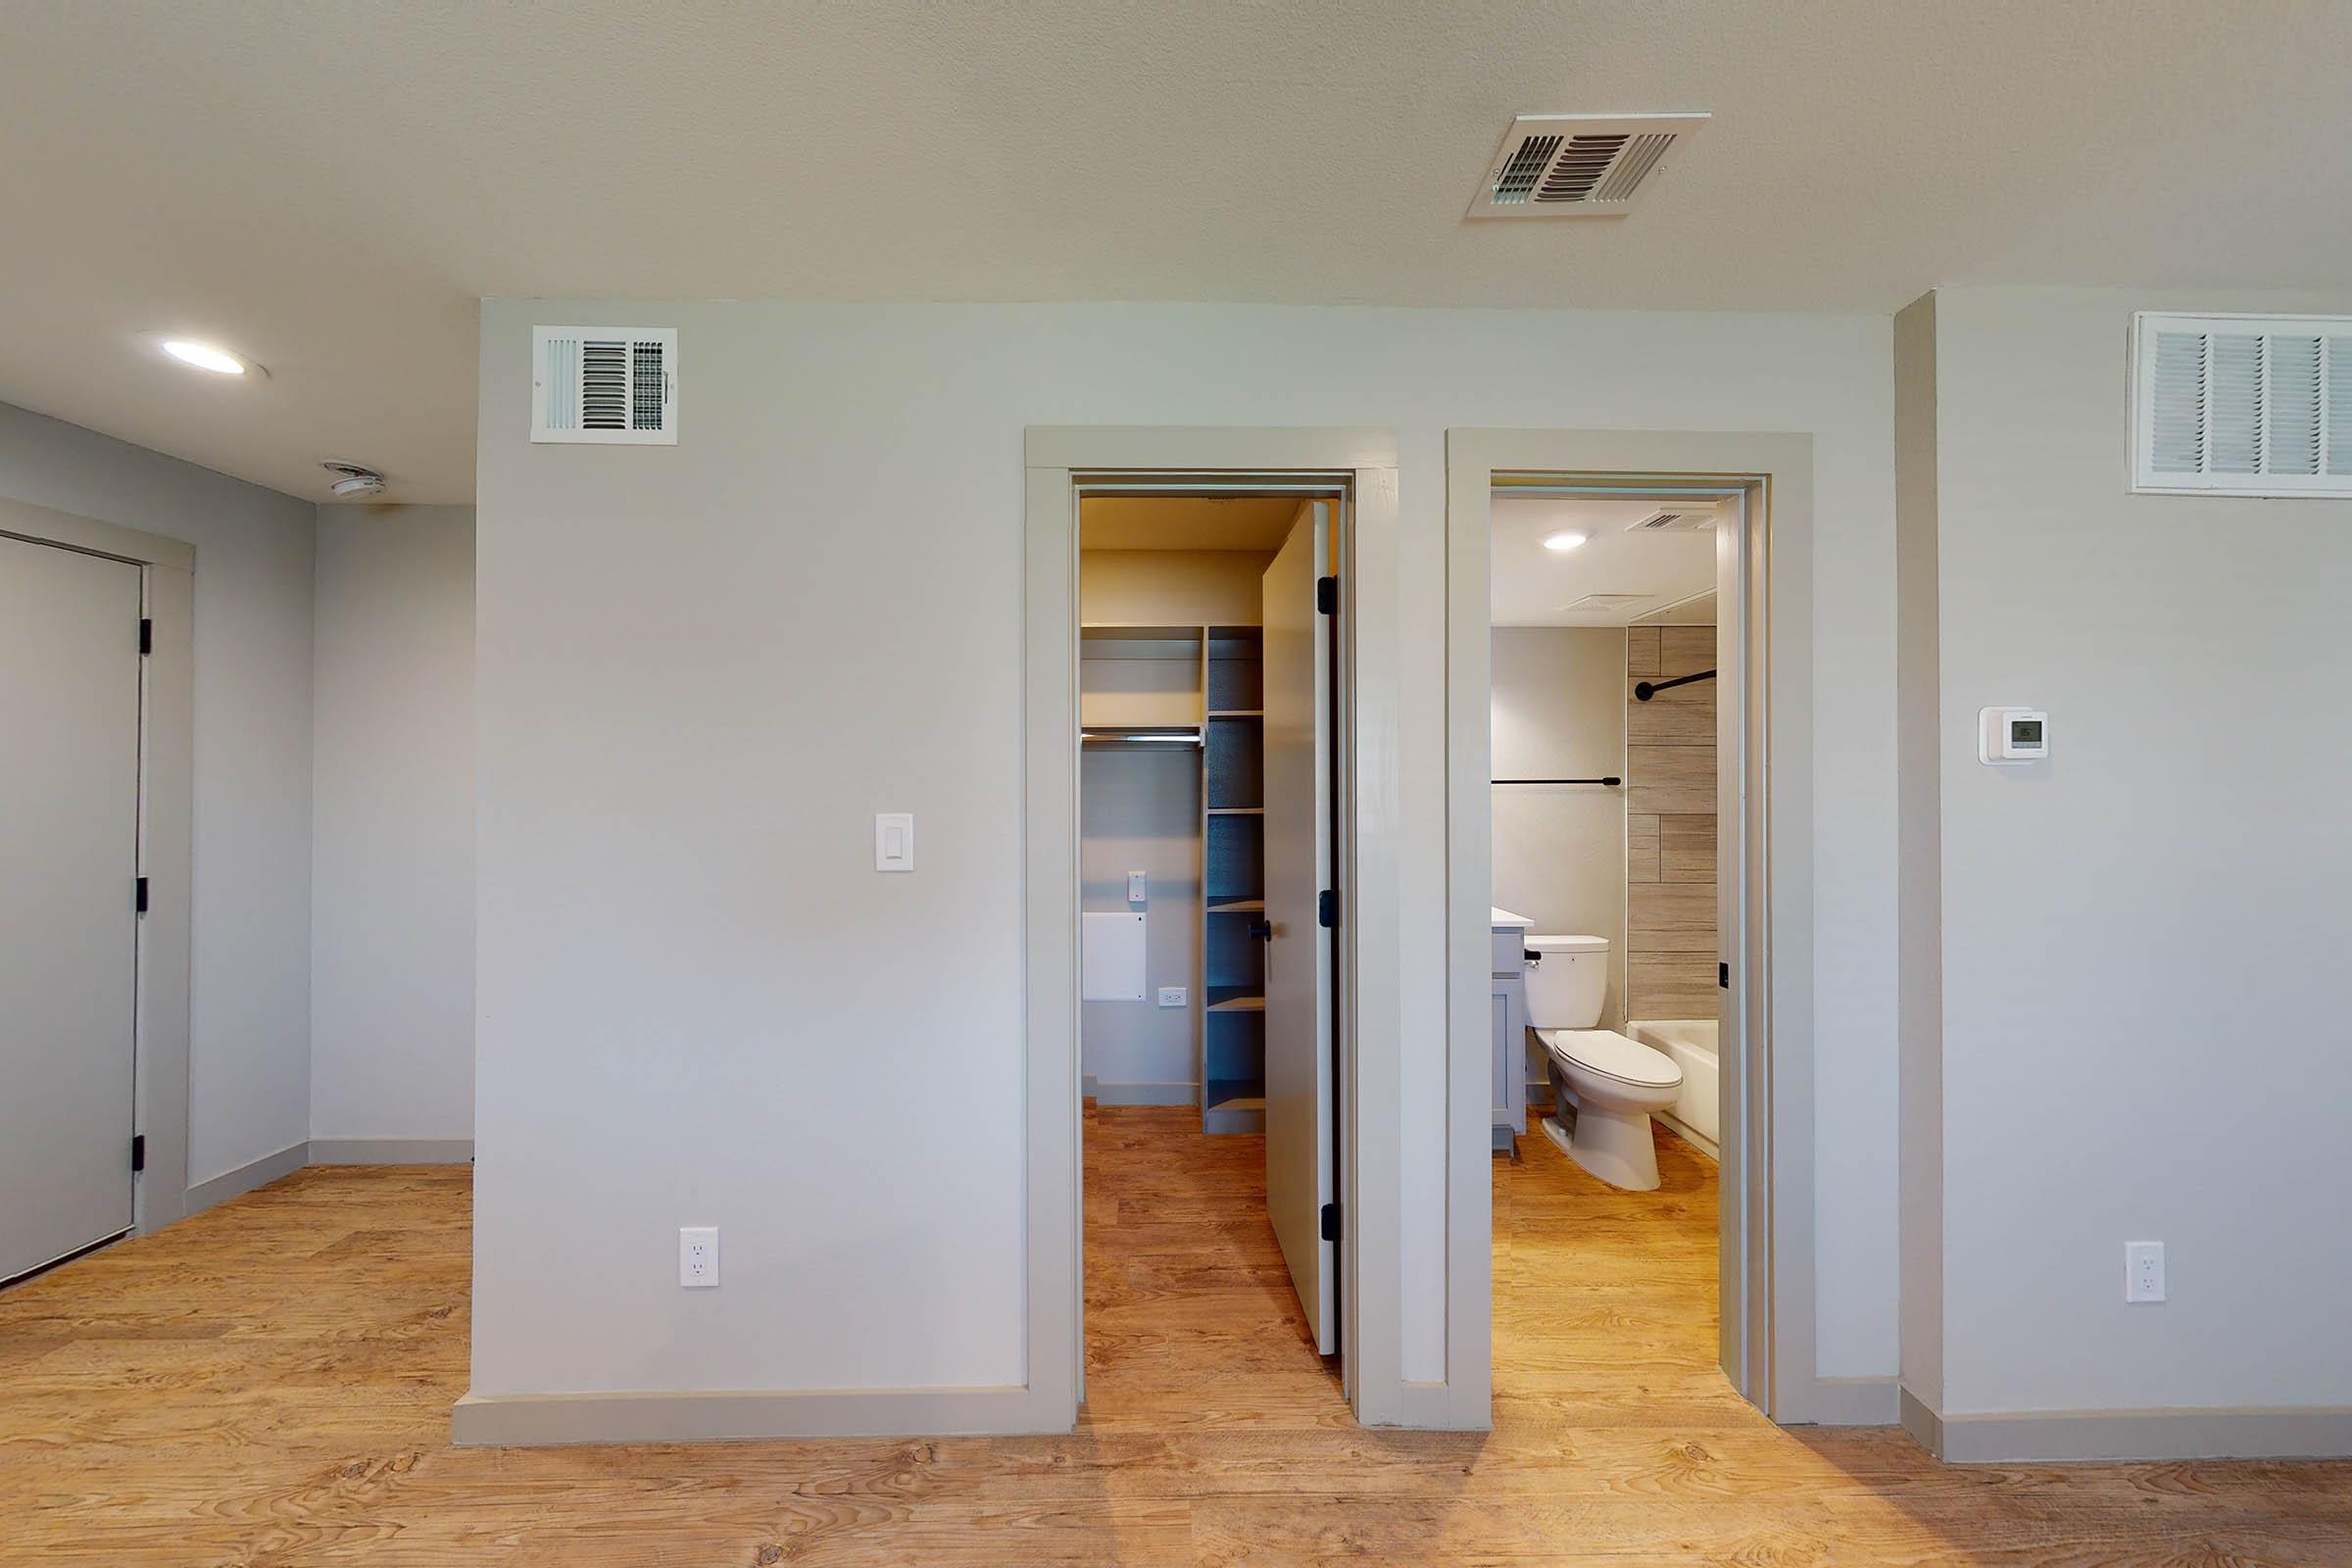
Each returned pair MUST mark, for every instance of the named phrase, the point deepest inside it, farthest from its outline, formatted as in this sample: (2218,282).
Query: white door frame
(1062,462)
(1767,1279)
(167,832)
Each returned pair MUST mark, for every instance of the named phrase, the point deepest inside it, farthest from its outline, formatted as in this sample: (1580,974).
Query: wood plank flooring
(269,1383)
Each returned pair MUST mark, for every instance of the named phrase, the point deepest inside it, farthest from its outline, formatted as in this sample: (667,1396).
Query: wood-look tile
(1641,650)
(1687,847)
(1680,715)
(1671,985)
(270,1382)
(1686,651)
(1669,917)
(1641,847)
(1669,779)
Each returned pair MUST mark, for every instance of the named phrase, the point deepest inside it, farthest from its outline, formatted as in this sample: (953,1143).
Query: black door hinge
(139,896)
(146,635)
(1327,594)
(138,1151)
(1722,976)
(1331,1222)
(1326,909)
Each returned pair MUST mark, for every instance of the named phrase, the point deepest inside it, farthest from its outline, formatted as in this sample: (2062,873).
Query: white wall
(249,1045)
(392,782)
(701,668)
(1559,849)
(2142,1033)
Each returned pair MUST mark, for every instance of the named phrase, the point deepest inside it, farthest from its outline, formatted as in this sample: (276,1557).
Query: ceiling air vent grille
(1672,520)
(2241,404)
(604,385)
(1595,604)
(1566,166)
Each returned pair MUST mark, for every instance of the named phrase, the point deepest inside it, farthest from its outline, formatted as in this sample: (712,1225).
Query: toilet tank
(1567,981)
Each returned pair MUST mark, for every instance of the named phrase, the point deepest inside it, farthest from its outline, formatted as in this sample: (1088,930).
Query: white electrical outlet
(2143,1271)
(697,1256)
(1171,996)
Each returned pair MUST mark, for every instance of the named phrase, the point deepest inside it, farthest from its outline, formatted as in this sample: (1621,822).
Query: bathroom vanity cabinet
(1509,1002)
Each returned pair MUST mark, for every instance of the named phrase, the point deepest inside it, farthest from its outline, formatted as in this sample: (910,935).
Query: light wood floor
(270,1383)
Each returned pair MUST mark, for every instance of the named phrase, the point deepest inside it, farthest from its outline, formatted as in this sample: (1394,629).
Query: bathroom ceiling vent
(1603,604)
(1578,166)
(604,385)
(1673,520)
(2241,404)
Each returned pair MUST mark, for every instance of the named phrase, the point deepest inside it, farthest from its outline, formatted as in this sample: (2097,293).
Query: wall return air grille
(604,385)
(2241,404)
(1578,166)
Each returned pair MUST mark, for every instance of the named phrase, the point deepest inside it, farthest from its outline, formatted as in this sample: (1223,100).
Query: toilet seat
(1606,1054)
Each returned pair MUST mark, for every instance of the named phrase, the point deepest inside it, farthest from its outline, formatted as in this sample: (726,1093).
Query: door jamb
(1772,1303)
(165,839)
(1060,460)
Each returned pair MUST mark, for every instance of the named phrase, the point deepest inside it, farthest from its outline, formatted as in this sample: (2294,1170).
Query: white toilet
(1612,1082)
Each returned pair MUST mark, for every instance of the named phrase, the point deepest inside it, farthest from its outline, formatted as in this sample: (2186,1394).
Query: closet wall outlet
(1136,891)
(697,1256)
(2143,1271)
(1171,996)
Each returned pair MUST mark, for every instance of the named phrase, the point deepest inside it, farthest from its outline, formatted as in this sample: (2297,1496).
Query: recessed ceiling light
(205,357)
(1565,539)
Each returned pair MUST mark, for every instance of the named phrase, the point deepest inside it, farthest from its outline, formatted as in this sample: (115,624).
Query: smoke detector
(1578,166)
(352,481)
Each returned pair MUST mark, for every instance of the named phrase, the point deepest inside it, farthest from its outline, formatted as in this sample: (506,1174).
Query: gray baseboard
(391,1150)
(246,1178)
(1856,1401)
(497,1420)
(1143,1094)
(2287,1432)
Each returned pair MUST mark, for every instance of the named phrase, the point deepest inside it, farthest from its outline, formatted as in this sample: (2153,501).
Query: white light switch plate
(697,1256)
(1171,996)
(1137,891)
(894,840)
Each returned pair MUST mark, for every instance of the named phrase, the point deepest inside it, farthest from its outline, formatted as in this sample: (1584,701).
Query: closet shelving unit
(1233,885)
(1201,686)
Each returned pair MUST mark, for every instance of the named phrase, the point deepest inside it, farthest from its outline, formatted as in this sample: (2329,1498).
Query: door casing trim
(1061,462)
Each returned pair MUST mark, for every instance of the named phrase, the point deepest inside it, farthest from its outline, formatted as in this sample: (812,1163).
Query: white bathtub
(1691,1043)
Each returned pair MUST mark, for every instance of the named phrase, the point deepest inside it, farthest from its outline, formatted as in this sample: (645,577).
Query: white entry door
(1297,825)
(68,926)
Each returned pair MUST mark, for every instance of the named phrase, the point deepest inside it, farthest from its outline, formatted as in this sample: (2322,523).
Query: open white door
(1297,823)
(69,865)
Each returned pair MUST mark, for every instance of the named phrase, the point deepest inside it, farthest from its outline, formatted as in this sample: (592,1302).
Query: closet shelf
(1237,713)
(1236,905)
(1233,999)
(1237,810)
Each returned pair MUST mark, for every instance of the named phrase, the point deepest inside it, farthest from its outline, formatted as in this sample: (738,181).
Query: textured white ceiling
(330,187)
(1533,586)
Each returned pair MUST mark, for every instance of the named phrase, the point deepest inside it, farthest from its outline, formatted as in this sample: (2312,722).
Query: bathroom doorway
(1612,702)
(1215,1020)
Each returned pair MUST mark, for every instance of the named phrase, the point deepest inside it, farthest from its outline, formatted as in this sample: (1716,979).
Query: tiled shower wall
(1669,947)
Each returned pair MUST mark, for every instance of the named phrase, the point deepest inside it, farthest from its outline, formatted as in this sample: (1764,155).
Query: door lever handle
(1262,930)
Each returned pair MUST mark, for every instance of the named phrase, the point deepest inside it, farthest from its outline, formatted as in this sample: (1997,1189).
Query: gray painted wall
(392,863)
(1558,709)
(702,669)
(2141,938)
(249,1045)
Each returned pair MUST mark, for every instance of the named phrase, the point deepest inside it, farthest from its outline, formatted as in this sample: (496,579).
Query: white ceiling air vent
(1602,604)
(604,385)
(2241,404)
(1673,520)
(1578,166)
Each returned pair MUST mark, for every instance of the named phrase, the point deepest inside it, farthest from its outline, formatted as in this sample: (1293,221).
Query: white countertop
(1505,921)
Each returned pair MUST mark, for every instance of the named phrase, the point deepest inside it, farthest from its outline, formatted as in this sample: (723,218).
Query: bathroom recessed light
(204,357)
(1565,539)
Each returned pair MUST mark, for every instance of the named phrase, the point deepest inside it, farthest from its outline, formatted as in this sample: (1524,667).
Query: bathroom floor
(1604,1299)
(270,1383)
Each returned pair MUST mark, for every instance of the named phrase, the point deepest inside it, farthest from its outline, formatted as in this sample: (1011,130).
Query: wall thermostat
(2012,735)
